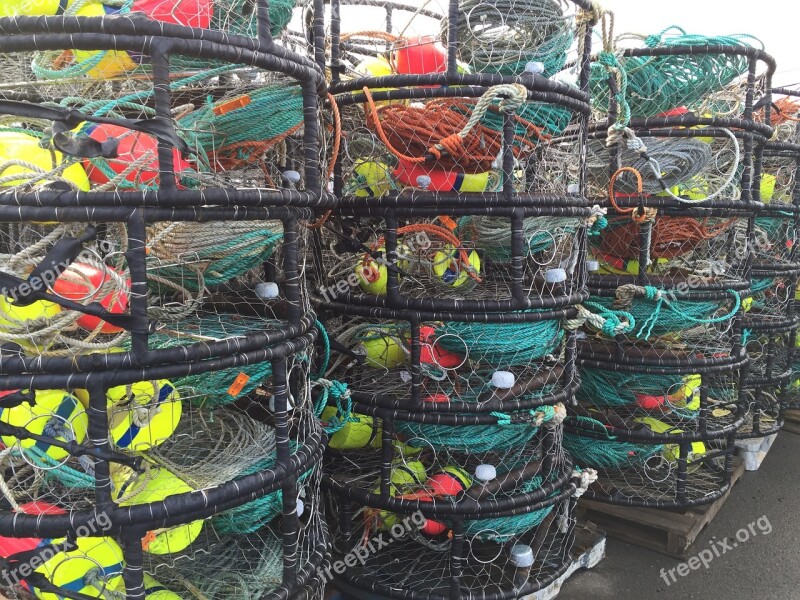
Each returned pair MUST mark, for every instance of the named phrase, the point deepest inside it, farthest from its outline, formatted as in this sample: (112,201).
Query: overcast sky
(774,22)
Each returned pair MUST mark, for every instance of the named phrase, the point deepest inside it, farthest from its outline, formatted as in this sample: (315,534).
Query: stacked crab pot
(677,162)
(453,268)
(157,427)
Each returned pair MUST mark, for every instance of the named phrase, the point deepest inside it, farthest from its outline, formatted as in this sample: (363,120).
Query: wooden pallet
(792,422)
(666,531)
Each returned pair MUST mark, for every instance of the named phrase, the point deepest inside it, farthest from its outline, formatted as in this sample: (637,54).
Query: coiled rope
(235,129)
(450,131)
(651,85)
(606,452)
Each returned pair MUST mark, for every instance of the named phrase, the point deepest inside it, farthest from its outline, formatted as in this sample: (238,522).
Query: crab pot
(452,363)
(449,546)
(157,336)
(659,437)
(771,351)
(445,38)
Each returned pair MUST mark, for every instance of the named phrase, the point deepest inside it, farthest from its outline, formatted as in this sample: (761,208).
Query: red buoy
(80,283)
(191,13)
(419,55)
(133,146)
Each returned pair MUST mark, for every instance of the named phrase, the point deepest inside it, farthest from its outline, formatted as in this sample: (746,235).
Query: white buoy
(521,556)
(267,291)
(555,276)
(534,67)
(592,266)
(503,380)
(292,177)
(573,189)
(301,507)
(423,182)
(484,473)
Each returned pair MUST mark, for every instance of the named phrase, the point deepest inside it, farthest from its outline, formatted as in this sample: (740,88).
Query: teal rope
(272,111)
(681,314)
(326,353)
(609,453)
(212,387)
(476,439)
(54,469)
(614,388)
(551,118)
(502,345)
(501,529)
(653,85)
(254,515)
(223,262)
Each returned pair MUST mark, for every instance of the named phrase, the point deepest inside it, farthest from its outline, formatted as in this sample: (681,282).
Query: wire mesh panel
(160,161)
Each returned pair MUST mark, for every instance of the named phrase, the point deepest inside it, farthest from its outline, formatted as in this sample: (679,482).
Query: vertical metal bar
(313,182)
(137,265)
(390,239)
(456,558)
(97,434)
(133,571)
(291,271)
(162,98)
(264,26)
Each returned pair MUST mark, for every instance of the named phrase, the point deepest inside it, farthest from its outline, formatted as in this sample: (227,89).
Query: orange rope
(637,216)
(671,236)
(786,109)
(422,131)
(227,156)
(380,35)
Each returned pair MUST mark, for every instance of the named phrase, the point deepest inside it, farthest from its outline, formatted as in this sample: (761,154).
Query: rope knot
(653,40)
(452,144)
(608,59)
(586,478)
(652,293)
(517,95)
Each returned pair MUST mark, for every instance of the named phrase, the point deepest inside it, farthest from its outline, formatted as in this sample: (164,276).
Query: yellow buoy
(144,414)
(450,270)
(154,485)
(383,351)
(672,451)
(31,8)
(55,414)
(406,477)
(688,395)
(27,149)
(94,567)
(373,179)
(360,432)
(373,275)
(767,188)
(109,63)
